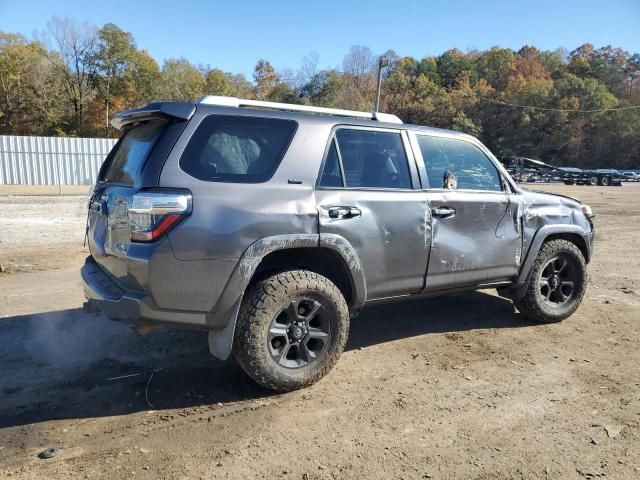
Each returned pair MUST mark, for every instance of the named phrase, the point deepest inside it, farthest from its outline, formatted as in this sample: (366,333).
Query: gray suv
(271,225)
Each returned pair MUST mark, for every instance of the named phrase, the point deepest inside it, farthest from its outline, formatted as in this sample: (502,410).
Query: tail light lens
(152,214)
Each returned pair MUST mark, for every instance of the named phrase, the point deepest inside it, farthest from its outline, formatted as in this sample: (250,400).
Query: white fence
(51,160)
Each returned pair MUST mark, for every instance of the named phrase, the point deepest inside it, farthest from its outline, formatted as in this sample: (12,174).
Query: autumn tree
(265,78)
(563,107)
(25,78)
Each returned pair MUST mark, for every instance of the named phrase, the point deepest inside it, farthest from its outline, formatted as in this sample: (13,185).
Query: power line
(558,109)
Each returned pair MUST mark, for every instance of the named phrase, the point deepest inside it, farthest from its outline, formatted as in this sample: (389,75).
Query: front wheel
(291,330)
(557,283)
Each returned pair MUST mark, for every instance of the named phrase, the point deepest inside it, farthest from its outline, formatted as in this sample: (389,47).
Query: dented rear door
(369,194)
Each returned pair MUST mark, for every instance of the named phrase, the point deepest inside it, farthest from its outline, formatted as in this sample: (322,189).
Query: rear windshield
(237,149)
(130,153)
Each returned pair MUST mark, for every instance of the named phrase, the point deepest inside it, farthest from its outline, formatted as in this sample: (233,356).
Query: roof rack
(239,102)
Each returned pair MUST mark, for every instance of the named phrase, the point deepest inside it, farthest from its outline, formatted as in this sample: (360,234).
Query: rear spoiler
(181,110)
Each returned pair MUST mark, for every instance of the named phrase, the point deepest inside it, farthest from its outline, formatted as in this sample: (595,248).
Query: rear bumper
(104,294)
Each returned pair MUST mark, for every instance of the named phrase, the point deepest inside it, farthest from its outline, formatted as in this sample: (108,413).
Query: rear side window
(331,174)
(369,159)
(457,165)
(132,150)
(237,149)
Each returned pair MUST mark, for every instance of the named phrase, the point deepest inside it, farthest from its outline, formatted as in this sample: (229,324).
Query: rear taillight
(152,214)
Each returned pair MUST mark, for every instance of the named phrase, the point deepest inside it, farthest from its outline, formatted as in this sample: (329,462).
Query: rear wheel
(557,283)
(593,181)
(291,330)
(604,181)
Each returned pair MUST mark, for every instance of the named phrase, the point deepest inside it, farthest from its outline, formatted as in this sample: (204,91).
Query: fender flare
(222,319)
(536,244)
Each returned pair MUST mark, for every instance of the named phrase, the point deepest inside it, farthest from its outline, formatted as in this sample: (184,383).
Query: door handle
(344,212)
(443,212)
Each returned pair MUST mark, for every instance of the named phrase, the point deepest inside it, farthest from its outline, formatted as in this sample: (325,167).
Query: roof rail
(239,102)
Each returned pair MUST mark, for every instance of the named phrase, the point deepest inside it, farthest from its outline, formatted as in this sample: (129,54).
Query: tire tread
(257,308)
(529,305)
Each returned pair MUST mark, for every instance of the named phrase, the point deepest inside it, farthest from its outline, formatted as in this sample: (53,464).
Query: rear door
(368,193)
(476,226)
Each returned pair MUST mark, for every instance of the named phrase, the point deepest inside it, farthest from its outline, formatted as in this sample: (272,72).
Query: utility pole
(382,62)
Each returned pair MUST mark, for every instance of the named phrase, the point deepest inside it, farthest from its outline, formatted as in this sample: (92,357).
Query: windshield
(128,158)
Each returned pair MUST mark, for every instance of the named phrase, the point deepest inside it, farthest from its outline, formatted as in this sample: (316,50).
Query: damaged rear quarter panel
(228,219)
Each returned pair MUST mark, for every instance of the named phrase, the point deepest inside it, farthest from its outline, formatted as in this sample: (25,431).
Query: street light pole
(382,62)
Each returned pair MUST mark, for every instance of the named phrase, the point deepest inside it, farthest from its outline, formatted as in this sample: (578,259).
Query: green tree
(219,83)
(142,78)
(451,64)
(495,66)
(180,80)
(115,51)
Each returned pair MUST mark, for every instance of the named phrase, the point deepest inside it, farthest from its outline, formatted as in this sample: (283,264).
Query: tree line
(566,108)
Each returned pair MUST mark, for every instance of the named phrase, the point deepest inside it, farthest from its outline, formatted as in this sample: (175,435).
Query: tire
(569,182)
(593,181)
(604,181)
(292,328)
(542,303)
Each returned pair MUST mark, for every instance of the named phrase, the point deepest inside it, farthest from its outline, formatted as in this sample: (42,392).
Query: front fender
(538,239)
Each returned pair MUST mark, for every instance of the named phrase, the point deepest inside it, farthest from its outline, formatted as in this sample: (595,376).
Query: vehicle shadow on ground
(69,364)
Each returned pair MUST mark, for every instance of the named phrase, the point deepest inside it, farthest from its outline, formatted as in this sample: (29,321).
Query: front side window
(457,165)
(369,159)
(237,149)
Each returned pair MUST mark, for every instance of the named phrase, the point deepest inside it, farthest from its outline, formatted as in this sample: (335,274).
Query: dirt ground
(451,387)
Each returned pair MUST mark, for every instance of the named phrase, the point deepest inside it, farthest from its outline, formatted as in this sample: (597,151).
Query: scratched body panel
(477,244)
(389,236)
(542,210)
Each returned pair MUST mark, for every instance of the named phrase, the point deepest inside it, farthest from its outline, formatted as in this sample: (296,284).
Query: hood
(541,194)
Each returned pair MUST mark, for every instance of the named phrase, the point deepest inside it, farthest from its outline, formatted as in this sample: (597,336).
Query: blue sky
(233,35)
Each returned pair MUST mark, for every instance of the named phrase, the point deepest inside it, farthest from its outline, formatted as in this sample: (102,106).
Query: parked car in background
(629,176)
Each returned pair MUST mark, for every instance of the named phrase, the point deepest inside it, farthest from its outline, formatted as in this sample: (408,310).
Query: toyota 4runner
(271,225)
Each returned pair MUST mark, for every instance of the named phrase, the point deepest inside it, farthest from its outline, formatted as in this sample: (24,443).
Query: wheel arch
(575,238)
(571,233)
(321,260)
(331,257)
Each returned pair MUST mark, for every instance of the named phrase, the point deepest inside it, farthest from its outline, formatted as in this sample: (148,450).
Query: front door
(368,194)
(476,227)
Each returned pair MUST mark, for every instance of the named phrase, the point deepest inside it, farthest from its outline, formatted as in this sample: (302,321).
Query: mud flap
(221,341)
